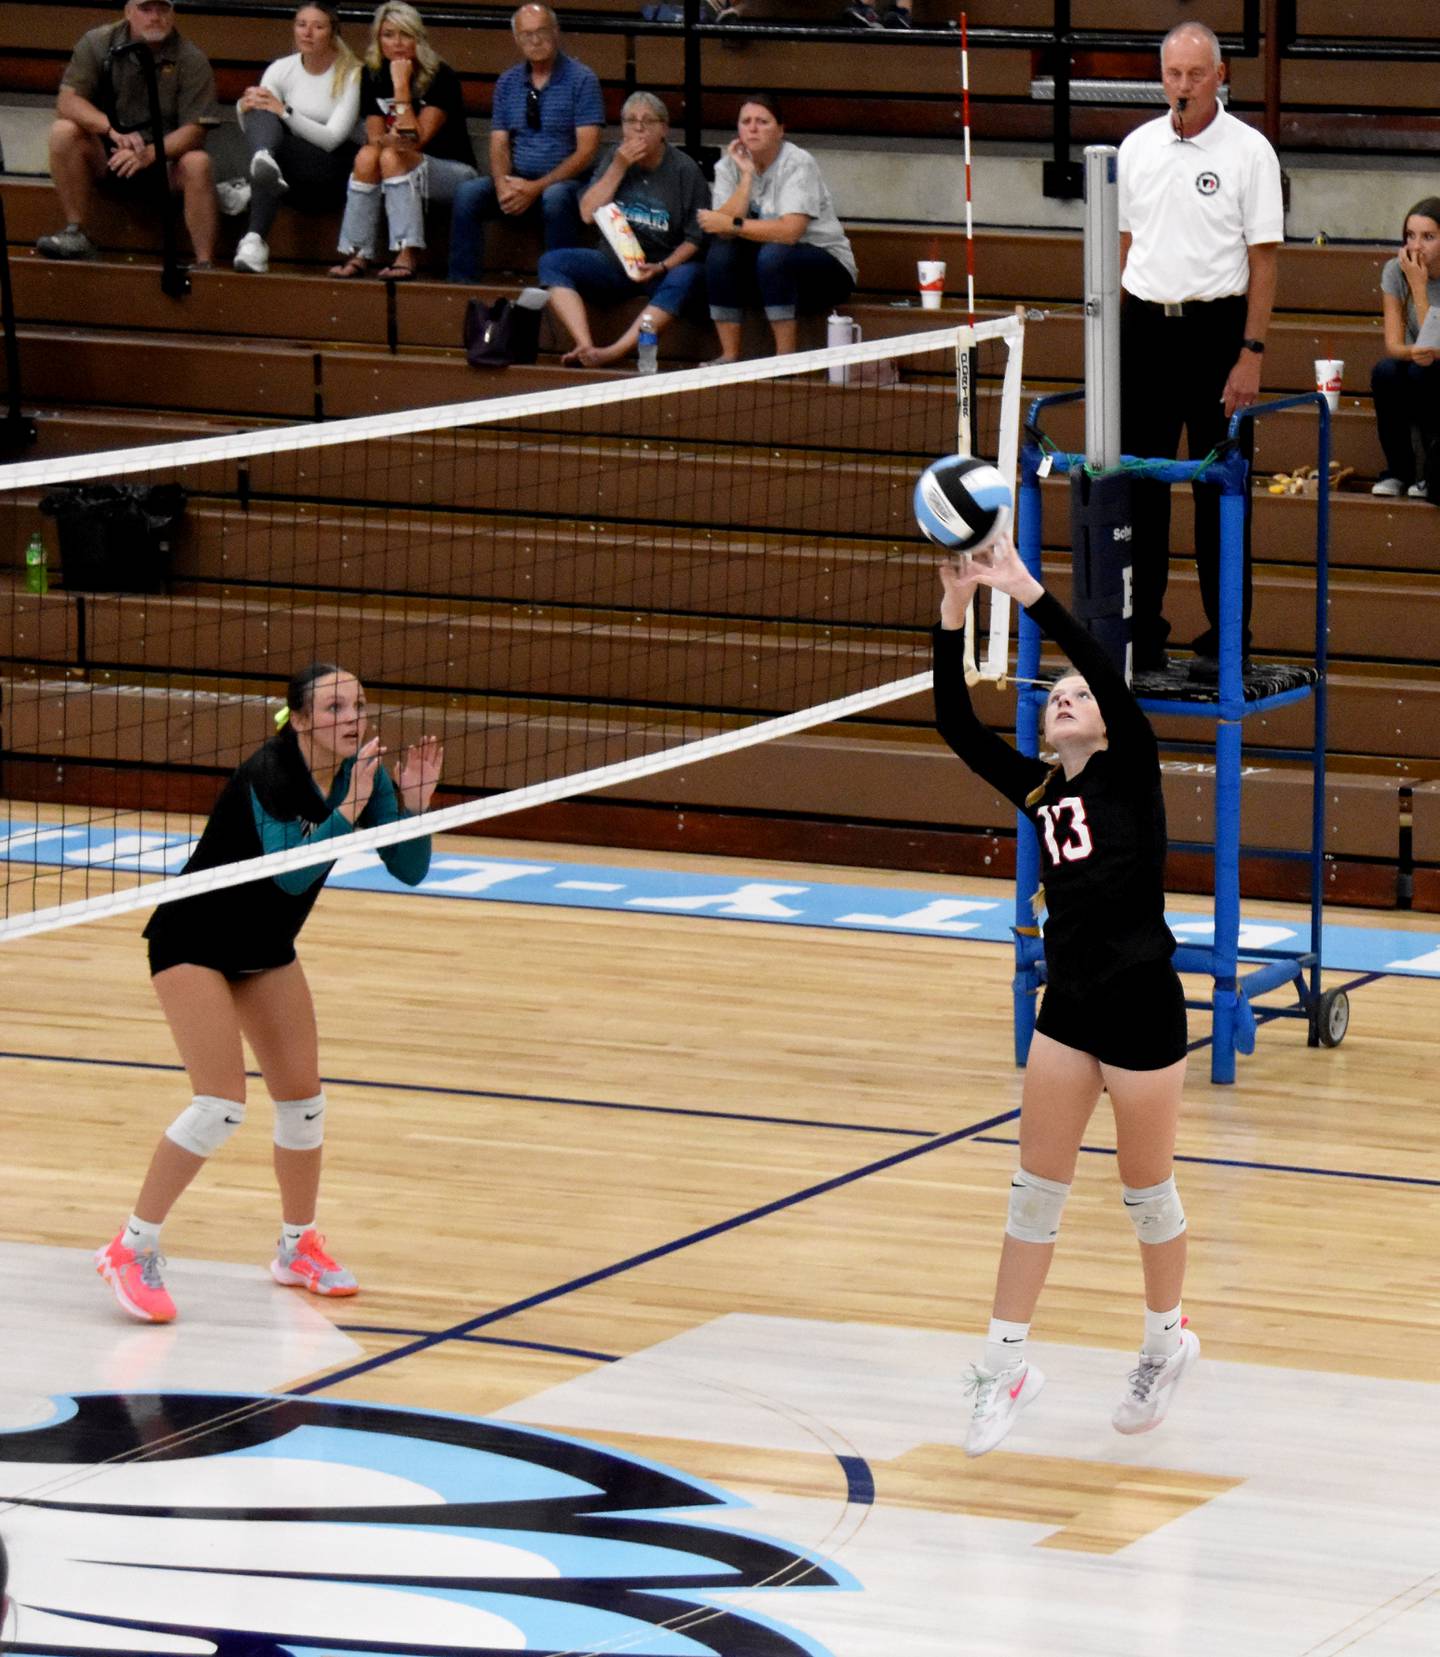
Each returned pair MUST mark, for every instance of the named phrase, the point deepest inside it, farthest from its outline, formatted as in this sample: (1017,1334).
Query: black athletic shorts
(174,947)
(1135,1020)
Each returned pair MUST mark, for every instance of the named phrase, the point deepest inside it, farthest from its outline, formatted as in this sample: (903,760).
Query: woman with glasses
(660,191)
(417,149)
(776,241)
(546,119)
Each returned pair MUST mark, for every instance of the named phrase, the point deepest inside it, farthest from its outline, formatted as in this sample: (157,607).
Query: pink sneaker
(307,1266)
(135,1278)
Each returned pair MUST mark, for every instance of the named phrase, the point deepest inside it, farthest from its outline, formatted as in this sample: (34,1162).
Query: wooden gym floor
(675,1242)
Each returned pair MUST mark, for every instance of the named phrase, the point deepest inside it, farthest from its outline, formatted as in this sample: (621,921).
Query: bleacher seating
(108,360)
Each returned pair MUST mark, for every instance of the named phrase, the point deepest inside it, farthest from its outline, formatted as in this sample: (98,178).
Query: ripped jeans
(403,201)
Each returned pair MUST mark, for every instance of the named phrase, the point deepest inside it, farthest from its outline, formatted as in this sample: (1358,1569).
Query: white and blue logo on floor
(848,906)
(251,1526)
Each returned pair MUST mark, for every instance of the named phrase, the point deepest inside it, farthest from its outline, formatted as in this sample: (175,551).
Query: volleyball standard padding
(962,503)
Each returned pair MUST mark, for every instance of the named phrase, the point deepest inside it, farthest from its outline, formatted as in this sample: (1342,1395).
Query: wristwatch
(1255,345)
(738,223)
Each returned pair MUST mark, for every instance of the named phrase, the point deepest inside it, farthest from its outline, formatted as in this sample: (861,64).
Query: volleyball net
(571,589)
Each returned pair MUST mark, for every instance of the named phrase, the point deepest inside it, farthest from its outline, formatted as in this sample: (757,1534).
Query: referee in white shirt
(1201,219)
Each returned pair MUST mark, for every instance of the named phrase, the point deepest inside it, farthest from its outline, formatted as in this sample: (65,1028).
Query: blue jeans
(596,275)
(784,278)
(476,203)
(1407,400)
(402,201)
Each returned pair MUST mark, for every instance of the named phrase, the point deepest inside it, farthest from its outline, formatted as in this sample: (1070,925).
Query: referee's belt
(1185,307)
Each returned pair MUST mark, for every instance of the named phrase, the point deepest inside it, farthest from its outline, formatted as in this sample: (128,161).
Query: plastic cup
(932,283)
(1329,375)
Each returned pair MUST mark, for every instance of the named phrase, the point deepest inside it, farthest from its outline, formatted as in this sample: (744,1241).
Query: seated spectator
(299,125)
(1406,380)
(544,136)
(660,190)
(102,134)
(776,239)
(416,150)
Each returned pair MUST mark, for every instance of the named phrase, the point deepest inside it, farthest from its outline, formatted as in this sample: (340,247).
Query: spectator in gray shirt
(776,241)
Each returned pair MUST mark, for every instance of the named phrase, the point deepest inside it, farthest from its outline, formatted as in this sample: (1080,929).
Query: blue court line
(543,1297)
(486,1340)
(1257,1167)
(520,1098)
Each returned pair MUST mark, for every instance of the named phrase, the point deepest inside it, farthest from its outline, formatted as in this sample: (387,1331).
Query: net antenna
(1007,460)
(575,590)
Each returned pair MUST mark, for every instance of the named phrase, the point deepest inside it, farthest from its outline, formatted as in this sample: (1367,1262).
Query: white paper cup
(1329,376)
(932,283)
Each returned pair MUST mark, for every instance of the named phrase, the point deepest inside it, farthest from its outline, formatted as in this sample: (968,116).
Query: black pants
(1172,377)
(316,178)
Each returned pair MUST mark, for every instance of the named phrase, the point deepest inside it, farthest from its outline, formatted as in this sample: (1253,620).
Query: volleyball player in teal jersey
(225,970)
(1113,1015)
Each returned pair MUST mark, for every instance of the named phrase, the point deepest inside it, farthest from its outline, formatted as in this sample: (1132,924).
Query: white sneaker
(233,194)
(253,254)
(998,1400)
(1152,1385)
(265,169)
(1419,491)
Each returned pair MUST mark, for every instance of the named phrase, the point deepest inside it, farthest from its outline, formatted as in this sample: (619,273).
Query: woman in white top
(299,124)
(775,239)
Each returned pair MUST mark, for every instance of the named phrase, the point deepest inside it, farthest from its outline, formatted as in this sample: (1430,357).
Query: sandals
(356,265)
(397,273)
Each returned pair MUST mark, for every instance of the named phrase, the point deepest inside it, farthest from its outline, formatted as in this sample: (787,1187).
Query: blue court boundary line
(486,1340)
(436,1091)
(1257,1167)
(660,1251)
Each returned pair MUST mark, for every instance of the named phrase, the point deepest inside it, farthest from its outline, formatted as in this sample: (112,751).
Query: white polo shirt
(1194,206)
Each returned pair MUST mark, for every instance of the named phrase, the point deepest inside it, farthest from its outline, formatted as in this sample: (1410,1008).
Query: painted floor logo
(260,1527)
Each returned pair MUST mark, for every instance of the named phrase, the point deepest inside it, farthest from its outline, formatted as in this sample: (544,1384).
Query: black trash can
(115,537)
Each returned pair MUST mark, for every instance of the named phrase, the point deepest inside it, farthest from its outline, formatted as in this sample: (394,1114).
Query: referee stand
(1235,696)
(1100,529)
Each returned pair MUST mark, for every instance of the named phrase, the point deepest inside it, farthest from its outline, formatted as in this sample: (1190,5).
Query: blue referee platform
(1238,693)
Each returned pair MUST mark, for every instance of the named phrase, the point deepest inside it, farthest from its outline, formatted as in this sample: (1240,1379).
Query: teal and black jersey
(269,804)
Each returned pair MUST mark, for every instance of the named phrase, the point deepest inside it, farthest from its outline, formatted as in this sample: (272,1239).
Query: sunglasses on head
(532,109)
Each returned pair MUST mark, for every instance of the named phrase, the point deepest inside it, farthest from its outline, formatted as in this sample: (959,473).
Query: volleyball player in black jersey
(224,968)
(1113,1014)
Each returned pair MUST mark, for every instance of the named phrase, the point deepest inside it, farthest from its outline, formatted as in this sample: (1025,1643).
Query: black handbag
(116,537)
(500,334)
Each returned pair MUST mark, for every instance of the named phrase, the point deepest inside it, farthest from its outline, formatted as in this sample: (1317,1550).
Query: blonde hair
(409,22)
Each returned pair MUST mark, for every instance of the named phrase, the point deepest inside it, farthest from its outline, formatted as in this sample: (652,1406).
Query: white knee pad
(1155,1211)
(1035,1208)
(300,1123)
(205,1124)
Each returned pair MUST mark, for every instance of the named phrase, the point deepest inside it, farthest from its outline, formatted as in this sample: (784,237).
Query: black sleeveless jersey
(1101,832)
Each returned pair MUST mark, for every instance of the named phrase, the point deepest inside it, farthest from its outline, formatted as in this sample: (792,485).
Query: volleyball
(962,503)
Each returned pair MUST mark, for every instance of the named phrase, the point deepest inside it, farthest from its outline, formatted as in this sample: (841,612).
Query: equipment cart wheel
(1330,1019)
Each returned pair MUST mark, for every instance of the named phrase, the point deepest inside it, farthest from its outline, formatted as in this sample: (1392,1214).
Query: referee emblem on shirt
(1207,183)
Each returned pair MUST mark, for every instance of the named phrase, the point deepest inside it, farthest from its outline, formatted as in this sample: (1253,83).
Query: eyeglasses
(532,109)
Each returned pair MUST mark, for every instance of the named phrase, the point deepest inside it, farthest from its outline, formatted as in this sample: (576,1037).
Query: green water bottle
(37,576)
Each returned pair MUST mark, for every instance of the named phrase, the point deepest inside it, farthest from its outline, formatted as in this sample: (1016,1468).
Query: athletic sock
(290,1235)
(142,1234)
(1162,1333)
(1005,1345)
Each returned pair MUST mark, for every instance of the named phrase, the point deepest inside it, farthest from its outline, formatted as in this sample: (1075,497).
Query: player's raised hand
(418,772)
(362,779)
(998,565)
(959,580)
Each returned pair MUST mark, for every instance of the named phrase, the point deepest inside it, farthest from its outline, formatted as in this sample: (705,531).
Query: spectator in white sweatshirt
(299,124)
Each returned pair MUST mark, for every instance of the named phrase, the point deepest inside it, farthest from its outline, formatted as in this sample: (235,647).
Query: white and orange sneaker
(1151,1387)
(999,1398)
(134,1275)
(307,1266)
